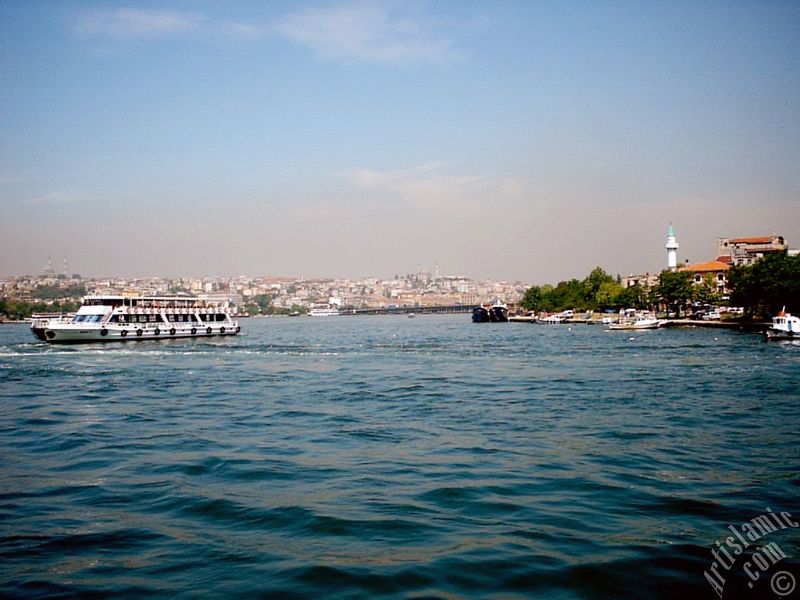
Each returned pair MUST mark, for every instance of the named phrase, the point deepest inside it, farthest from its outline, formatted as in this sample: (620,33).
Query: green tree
(706,292)
(634,296)
(592,285)
(607,295)
(263,302)
(674,290)
(532,300)
(52,292)
(567,294)
(767,285)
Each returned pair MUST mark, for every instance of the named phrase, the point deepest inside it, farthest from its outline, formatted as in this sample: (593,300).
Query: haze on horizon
(510,140)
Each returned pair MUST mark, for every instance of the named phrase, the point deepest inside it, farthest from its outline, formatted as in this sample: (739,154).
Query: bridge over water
(402,310)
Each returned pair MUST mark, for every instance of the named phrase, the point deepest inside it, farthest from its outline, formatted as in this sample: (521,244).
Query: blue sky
(508,140)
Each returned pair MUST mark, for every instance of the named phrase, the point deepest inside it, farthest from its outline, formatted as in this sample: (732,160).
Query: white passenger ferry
(122,318)
(324,312)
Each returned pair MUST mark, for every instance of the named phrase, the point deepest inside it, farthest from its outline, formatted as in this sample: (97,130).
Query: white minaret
(672,249)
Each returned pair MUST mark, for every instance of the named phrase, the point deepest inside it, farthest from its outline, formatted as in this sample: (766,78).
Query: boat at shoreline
(122,318)
(497,312)
(784,327)
(641,322)
(324,312)
(554,319)
(480,314)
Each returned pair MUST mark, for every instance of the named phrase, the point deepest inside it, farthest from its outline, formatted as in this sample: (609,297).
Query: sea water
(389,457)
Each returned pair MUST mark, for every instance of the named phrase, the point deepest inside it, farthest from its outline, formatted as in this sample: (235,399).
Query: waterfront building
(747,250)
(647,280)
(716,269)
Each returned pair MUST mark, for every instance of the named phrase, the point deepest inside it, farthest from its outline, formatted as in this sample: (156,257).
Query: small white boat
(552,319)
(642,322)
(784,327)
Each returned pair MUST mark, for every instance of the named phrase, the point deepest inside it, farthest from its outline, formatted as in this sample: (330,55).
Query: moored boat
(784,327)
(555,319)
(480,315)
(641,322)
(324,312)
(498,312)
(122,318)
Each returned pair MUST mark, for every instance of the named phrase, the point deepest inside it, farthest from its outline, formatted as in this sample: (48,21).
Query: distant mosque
(672,249)
(730,252)
(651,279)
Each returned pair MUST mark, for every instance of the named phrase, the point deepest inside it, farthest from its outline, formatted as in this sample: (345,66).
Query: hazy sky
(508,140)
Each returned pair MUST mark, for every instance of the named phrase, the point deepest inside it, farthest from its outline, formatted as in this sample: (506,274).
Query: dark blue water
(392,457)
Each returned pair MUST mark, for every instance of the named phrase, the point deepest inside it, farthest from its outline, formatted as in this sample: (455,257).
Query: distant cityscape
(424,288)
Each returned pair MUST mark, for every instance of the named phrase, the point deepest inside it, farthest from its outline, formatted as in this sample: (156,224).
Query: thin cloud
(367,32)
(136,22)
(428,185)
(56,197)
(374,32)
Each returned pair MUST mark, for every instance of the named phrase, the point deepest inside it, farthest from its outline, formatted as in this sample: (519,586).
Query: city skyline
(517,141)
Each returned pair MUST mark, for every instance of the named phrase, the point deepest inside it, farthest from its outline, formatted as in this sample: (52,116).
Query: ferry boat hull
(75,334)
(39,323)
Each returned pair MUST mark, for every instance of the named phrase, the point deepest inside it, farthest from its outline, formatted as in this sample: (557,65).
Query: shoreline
(758,326)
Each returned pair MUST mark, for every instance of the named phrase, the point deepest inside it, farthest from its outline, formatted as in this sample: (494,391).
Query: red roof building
(747,250)
(718,271)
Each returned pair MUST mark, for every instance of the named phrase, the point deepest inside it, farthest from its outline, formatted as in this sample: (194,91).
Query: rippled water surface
(392,457)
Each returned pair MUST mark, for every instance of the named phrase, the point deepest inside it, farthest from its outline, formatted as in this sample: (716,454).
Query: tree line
(762,289)
(17,310)
(767,286)
(597,291)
